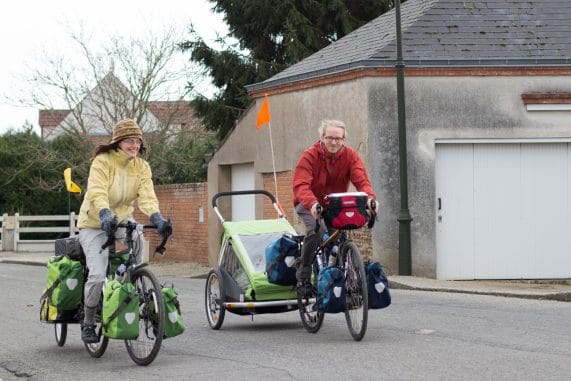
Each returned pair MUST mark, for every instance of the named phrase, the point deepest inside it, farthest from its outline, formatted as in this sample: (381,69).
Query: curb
(23,262)
(556,296)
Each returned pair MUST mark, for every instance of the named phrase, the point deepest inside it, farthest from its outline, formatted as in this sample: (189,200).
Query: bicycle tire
(356,310)
(97,350)
(60,331)
(311,317)
(214,297)
(145,348)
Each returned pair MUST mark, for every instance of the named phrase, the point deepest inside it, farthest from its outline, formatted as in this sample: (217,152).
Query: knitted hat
(127,128)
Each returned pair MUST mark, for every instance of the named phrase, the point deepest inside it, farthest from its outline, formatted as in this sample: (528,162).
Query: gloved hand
(106,220)
(164,227)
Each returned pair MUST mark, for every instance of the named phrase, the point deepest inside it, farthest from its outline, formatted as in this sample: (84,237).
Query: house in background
(109,102)
(488,117)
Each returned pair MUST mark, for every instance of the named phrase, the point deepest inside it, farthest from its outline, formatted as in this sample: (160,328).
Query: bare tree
(122,79)
(91,88)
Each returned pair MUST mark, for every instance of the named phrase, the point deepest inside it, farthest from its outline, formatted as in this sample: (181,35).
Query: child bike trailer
(240,283)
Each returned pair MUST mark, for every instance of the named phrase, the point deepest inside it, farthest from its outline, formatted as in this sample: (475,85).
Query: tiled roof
(52,118)
(448,33)
(179,112)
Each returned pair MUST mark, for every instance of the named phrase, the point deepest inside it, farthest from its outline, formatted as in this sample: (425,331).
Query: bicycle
(349,260)
(144,349)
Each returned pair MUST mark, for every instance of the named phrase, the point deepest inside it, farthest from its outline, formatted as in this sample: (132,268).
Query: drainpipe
(404,218)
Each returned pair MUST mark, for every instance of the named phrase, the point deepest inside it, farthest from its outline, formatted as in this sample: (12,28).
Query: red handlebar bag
(345,210)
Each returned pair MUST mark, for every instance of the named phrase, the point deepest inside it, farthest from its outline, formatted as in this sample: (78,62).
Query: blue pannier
(331,290)
(377,286)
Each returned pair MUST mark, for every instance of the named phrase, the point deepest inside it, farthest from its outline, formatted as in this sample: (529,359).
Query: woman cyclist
(118,177)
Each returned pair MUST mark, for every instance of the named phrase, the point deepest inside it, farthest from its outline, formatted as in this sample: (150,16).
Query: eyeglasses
(132,142)
(333,139)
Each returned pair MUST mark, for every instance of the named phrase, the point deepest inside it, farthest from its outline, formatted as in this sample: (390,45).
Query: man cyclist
(327,166)
(118,177)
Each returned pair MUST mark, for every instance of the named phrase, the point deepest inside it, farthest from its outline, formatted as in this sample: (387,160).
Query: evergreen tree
(271,35)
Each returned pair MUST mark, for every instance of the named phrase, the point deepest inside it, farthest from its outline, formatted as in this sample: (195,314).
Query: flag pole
(273,160)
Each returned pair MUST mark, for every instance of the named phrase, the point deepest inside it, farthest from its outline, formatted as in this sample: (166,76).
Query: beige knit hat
(127,128)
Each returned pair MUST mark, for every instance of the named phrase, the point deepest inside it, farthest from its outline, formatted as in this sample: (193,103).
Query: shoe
(88,334)
(304,289)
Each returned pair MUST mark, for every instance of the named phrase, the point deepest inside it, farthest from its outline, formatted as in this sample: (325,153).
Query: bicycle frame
(130,227)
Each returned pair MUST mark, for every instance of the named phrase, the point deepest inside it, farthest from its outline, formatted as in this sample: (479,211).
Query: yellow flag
(70,185)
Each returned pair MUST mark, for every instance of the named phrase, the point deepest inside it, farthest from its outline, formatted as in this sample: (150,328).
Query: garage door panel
(454,205)
(545,211)
(497,200)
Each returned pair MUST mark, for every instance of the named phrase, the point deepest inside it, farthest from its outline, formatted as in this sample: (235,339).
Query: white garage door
(242,178)
(503,210)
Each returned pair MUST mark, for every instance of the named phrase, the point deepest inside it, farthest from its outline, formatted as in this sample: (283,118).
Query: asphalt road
(421,336)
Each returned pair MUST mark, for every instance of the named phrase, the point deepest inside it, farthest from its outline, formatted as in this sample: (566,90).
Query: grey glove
(164,227)
(106,220)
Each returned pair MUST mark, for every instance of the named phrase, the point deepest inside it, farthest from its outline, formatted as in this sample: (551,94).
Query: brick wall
(182,203)
(284,194)
(364,241)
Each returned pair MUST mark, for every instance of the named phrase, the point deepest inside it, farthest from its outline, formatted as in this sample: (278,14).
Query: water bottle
(333,255)
(325,236)
(120,273)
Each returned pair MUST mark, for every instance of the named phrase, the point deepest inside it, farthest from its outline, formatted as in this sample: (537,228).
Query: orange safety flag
(264,114)
(70,185)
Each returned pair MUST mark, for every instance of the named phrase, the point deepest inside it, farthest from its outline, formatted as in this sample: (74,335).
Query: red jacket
(318,173)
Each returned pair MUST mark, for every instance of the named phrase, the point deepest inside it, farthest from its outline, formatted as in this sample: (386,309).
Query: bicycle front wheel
(356,312)
(146,346)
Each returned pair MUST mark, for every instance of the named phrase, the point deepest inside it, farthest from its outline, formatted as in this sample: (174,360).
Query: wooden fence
(14,226)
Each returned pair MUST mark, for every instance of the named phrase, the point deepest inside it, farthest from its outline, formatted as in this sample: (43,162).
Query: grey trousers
(310,243)
(308,220)
(97,260)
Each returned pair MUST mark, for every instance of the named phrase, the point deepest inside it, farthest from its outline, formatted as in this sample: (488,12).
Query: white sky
(28,27)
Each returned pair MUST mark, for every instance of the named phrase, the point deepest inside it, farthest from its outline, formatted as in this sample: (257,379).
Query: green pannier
(120,311)
(173,318)
(65,283)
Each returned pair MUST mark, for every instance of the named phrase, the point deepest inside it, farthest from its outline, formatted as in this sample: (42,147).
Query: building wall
(444,108)
(477,105)
(187,206)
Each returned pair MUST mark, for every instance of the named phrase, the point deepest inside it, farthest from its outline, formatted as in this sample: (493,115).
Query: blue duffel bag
(280,259)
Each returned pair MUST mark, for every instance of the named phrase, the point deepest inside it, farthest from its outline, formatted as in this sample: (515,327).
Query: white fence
(14,226)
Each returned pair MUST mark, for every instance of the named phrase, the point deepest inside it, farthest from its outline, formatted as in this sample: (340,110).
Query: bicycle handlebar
(132,226)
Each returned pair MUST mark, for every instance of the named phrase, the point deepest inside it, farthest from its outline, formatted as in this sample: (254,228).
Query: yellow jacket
(116,182)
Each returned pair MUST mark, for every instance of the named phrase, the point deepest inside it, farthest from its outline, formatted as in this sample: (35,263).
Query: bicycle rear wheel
(97,350)
(356,312)
(146,346)
(60,331)
(311,317)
